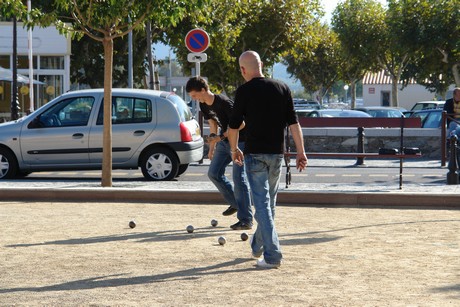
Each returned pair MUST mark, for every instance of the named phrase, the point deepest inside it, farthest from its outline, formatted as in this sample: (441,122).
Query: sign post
(197,41)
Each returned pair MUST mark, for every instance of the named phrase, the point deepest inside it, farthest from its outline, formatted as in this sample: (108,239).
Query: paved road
(320,171)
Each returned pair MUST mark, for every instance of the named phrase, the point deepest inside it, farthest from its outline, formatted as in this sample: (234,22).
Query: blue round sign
(197,40)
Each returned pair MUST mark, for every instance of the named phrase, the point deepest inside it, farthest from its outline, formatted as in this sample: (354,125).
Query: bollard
(452,175)
(360,160)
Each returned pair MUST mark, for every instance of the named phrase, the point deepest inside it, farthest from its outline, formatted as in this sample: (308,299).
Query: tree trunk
(107,136)
(456,73)
(149,55)
(394,92)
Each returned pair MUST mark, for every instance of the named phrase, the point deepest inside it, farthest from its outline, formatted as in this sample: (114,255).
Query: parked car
(152,130)
(431,118)
(337,113)
(422,105)
(303,112)
(306,104)
(381,111)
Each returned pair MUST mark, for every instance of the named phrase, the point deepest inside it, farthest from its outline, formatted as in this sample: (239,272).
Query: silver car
(152,130)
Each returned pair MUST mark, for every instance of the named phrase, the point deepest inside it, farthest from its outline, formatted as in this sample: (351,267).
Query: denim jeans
(264,171)
(454,129)
(237,195)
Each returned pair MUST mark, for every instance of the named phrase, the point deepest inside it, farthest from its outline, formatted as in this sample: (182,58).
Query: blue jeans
(454,129)
(264,172)
(236,195)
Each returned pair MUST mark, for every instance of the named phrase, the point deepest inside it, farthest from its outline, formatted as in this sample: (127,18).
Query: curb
(347,199)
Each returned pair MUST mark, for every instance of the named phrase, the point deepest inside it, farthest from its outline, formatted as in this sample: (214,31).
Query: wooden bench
(360,123)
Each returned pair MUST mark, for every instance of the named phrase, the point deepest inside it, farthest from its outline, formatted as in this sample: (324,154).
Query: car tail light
(185,134)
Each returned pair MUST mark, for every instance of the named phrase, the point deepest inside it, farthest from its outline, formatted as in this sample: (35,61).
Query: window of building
(23,62)
(51,62)
(5,61)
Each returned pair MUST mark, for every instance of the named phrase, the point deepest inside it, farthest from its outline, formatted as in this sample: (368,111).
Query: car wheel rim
(159,166)
(4,166)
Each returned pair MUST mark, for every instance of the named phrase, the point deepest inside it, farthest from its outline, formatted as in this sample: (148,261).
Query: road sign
(197,57)
(197,40)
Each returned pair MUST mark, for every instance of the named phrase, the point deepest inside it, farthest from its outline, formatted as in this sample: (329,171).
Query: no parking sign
(197,40)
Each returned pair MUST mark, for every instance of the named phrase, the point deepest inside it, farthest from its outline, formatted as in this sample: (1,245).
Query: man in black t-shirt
(217,110)
(265,106)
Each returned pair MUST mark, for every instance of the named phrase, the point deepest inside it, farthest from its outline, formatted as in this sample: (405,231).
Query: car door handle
(77,135)
(139,132)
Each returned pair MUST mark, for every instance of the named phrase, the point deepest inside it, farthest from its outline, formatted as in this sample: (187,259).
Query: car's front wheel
(159,164)
(8,164)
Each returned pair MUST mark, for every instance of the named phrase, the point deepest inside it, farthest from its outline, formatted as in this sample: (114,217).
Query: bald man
(265,106)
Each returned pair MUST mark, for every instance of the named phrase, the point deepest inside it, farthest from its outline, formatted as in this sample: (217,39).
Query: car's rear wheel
(159,164)
(182,169)
(8,164)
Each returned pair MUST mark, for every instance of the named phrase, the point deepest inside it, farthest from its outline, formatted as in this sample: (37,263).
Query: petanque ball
(222,240)
(244,236)
(190,229)
(214,223)
(132,224)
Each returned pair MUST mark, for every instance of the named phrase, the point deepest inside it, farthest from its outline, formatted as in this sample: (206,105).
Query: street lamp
(345,87)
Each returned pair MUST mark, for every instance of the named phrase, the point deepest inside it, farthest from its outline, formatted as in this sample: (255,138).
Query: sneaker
(262,264)
(241,226)
(230,210)
(255,255)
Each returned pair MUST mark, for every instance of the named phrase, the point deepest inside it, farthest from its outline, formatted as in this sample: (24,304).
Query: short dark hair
(196,84)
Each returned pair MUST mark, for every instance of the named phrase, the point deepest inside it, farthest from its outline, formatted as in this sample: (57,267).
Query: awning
(7,75)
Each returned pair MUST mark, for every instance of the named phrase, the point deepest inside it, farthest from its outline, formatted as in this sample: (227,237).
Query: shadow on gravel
(118,280)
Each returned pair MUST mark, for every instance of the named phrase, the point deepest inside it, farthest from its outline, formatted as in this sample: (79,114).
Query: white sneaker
(262,264)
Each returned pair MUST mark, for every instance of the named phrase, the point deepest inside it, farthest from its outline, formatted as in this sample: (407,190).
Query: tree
(358,24)
(104,21)
(271,28)
(316,67)
(437,62)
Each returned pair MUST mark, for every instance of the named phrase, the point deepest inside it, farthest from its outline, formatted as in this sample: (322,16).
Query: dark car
(337,113)
(431,118)
(381,111)
(306,104)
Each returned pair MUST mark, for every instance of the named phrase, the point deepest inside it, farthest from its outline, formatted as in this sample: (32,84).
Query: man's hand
(211,151)
(238,157)
(301,161)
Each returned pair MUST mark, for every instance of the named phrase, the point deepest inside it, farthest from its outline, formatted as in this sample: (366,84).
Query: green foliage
(316,67)
(11,8)
(272,28)
(438,44)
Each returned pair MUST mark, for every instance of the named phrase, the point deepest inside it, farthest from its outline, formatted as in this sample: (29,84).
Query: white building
(51,64)
(377,91)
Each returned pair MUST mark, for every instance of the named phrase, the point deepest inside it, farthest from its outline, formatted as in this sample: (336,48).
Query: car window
(66,113)
(433,120)
(184,111)
(127,110)
(421,115)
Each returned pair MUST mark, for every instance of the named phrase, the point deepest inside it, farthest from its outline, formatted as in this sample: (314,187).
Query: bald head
(250,65)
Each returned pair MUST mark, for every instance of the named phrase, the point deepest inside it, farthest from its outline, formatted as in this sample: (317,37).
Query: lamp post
(345,87)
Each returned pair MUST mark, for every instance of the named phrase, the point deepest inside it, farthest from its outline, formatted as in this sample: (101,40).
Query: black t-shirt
(266,107)
(220,111)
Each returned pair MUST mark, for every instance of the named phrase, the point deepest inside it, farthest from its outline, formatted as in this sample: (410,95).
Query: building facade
(51,66)
(377,92)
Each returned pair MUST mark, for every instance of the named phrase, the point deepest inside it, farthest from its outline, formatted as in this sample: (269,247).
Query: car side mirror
(35,123)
